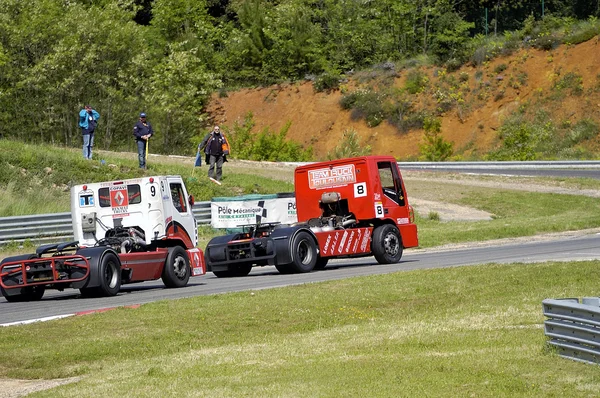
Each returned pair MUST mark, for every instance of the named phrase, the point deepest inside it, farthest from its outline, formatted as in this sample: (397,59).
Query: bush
(327,81)
(266,145)
(583,130)
(350,146)
(416,81)
(434,148)
(365,104)
(572,81)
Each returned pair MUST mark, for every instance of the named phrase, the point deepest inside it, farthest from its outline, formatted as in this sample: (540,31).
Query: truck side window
(135,194)
(104,197)
(178,197)
(391,188)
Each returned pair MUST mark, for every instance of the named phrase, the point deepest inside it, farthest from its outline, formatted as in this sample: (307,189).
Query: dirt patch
(448,211)
(13,388)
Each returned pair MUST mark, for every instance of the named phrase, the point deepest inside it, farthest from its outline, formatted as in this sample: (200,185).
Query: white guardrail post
(574,327)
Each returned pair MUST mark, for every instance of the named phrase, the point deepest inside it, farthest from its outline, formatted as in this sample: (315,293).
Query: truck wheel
(110,275)
(176,272)
(31,293)
(386,244)
(234,270)
(304,253)
(321,263)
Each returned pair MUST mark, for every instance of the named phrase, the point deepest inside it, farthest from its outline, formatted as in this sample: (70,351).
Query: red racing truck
(346,208)
(125,231)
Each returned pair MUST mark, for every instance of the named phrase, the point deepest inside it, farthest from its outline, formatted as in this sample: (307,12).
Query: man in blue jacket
(142,131)
(88,120)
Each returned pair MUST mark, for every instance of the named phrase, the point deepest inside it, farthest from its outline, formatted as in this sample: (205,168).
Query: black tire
(176,272)
(284,269)
(304,253)
(321,263)
(30,293)
(387,244)
(234,271)
(110,275)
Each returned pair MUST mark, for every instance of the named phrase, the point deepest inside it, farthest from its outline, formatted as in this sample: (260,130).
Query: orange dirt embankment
(318,120)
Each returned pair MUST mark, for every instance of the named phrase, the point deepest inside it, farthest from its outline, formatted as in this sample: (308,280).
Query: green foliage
(366,104)
(327,81)
(56,55)
(434,148)
(583,130)
(350,146)
(416,81)
(571,81)
(265,145)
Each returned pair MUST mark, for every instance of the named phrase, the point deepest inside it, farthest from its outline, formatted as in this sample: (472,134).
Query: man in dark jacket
(142,131)
(213,144)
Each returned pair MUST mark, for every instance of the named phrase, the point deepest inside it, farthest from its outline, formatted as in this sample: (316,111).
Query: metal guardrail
(57,227)
(574,327)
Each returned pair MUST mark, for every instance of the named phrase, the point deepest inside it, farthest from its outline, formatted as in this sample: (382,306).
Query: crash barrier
(53,227)
(574,327)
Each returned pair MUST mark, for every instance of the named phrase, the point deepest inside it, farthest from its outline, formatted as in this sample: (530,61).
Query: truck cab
(158,208)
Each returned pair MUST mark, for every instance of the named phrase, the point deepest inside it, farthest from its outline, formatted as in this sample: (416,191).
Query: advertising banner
(241,211)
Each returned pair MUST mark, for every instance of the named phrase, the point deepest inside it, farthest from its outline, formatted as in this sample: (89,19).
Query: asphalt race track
(68,302)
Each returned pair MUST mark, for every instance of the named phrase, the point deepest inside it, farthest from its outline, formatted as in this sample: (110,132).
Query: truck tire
(304,253)
(109,278)
(30,293)
(321,263)
(176,271)
(110,275)
(234,270)
(387,244)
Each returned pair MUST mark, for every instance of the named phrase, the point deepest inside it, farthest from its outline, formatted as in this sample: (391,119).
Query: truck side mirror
(191,200)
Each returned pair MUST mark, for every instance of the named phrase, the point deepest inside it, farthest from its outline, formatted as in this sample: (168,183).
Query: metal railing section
(574,327)
(57,227)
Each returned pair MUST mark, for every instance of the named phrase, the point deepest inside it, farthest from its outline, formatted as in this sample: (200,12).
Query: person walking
(88,120)
(216,148)
(142,131)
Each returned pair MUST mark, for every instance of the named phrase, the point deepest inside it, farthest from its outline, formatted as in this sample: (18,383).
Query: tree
(434,148)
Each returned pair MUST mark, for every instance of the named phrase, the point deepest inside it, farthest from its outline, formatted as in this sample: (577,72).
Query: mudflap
(197,263)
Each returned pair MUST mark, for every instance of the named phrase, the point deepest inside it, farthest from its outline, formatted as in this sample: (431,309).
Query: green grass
(464,331)
(38,181)
(514,213)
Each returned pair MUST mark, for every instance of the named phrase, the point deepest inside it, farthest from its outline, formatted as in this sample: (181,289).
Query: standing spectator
(88,120)
(216,148)
(142,131)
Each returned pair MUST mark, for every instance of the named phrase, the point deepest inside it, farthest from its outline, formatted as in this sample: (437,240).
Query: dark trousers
(141,147)
(215,163)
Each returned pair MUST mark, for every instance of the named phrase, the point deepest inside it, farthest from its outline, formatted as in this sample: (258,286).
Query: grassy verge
(466,331)
(514,213)
(37,182)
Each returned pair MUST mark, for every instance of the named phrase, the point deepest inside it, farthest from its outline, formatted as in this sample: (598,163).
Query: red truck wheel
(387,244)
(176,272)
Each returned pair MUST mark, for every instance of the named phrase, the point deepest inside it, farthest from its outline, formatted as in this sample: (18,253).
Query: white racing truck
(125,231)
